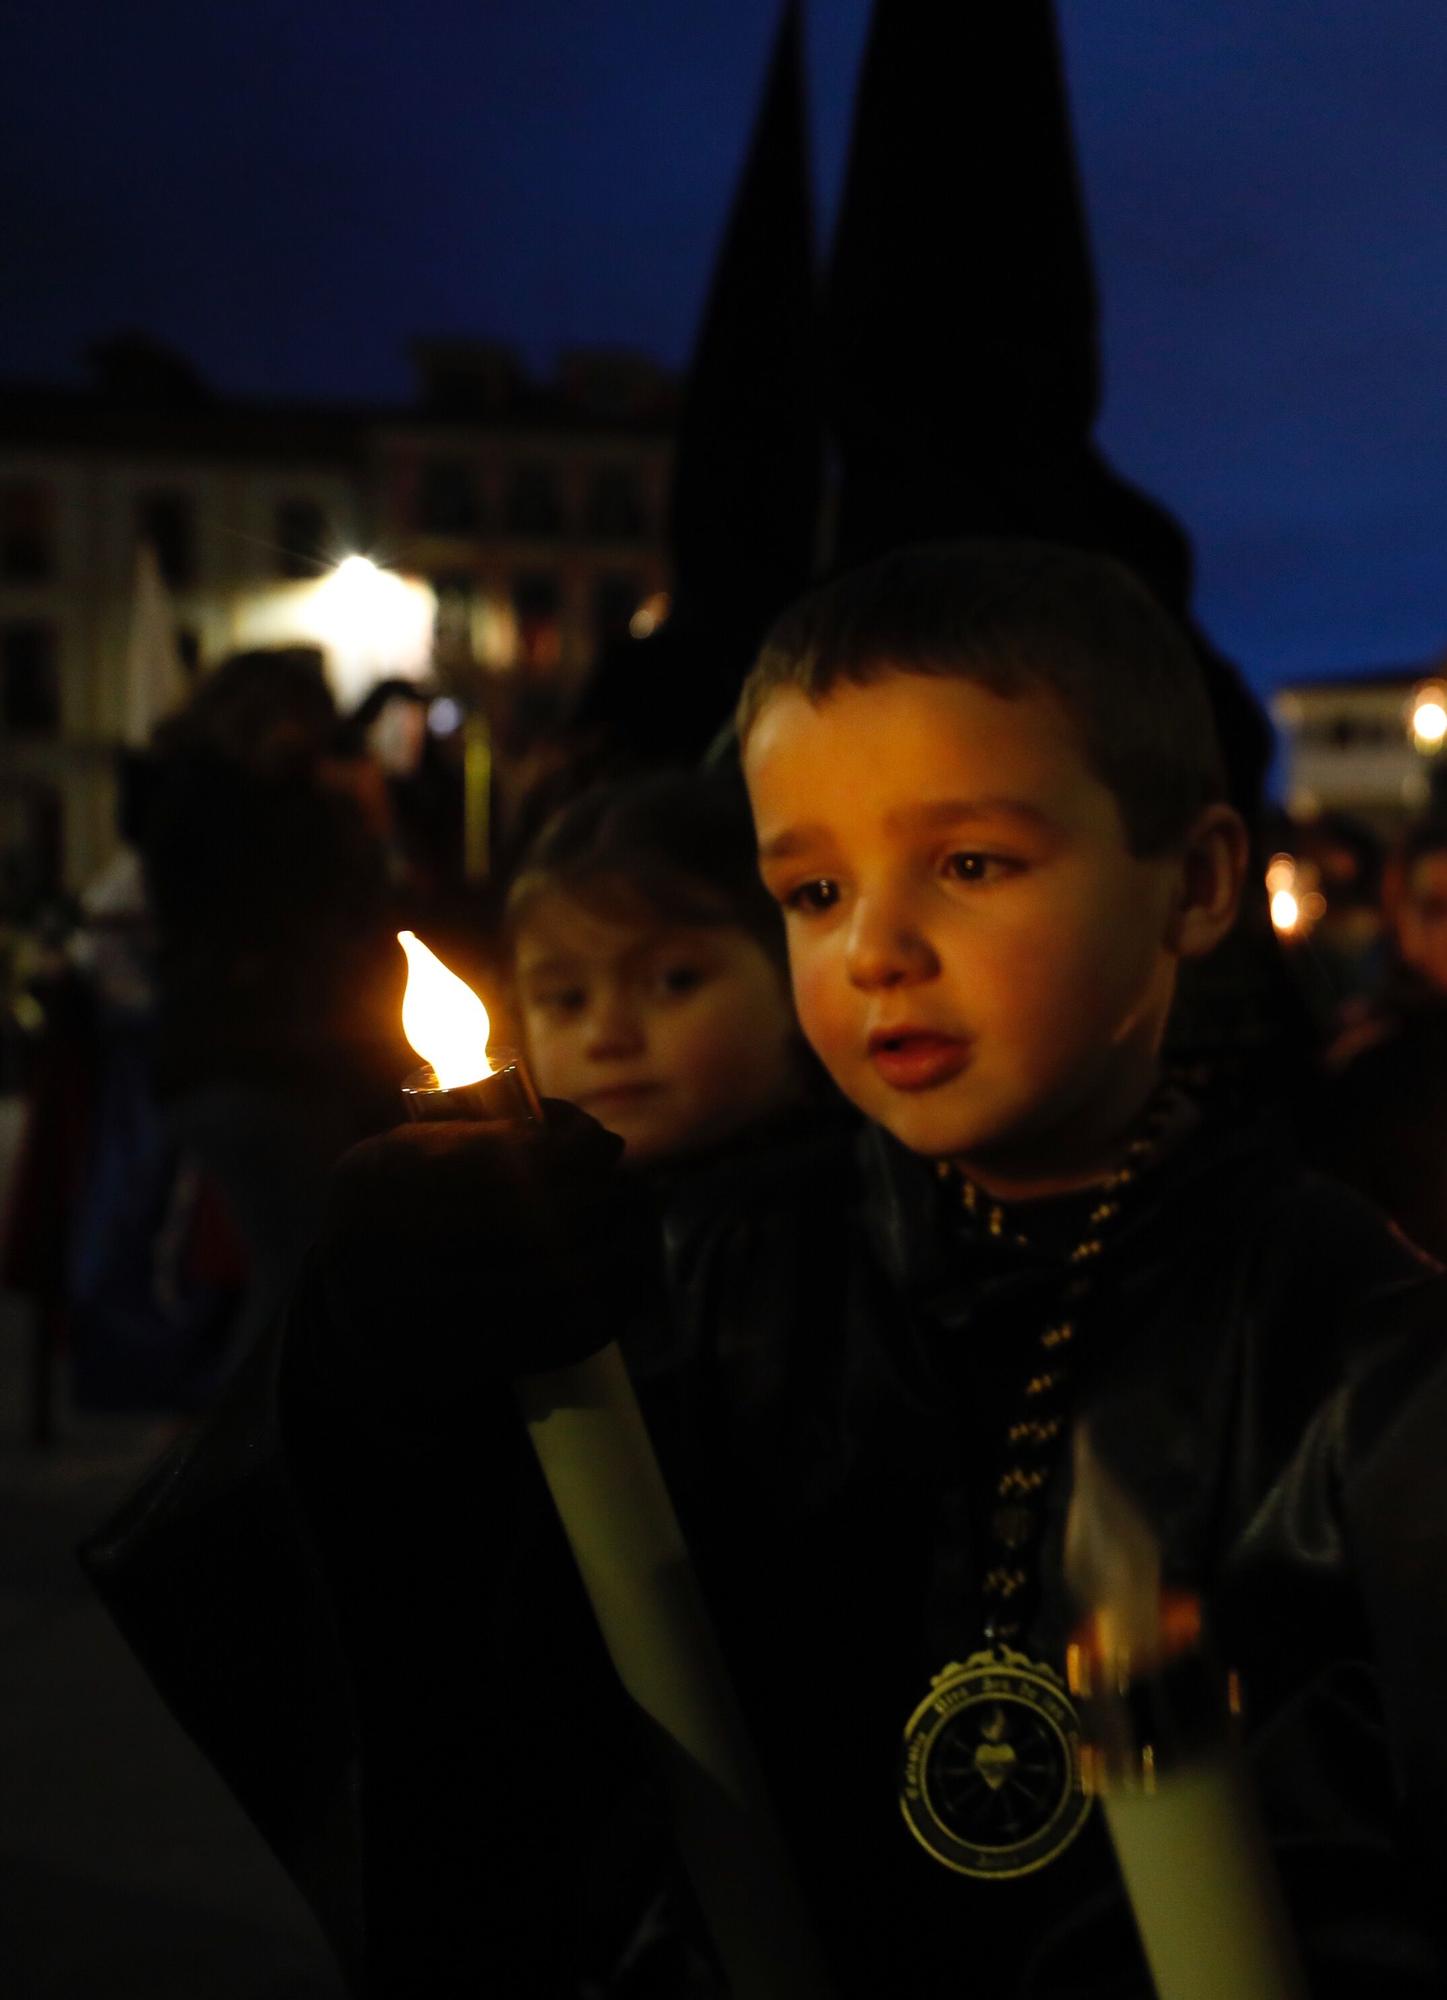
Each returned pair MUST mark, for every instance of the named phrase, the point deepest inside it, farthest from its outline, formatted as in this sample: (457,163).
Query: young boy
(989,800)
(991,856)
(989,803)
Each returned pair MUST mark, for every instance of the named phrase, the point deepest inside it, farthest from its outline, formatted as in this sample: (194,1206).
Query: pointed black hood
(963,354)
(746,480)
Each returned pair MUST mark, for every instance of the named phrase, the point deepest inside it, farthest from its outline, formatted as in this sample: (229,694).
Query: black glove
(465,1253)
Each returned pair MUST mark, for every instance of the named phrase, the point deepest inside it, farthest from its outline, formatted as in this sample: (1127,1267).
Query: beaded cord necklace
(990,1783)
(1036,1429)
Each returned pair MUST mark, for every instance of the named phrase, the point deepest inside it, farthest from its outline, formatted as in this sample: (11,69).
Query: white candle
(1181,1813)
(595,1453)
(1202,1884)
(599,1465)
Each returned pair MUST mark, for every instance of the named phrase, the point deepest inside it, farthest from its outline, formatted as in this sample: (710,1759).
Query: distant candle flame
(1285,894)
(443,1018)
(1281,873)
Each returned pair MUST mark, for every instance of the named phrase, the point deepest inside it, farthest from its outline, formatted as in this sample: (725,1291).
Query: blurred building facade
(536,513)
(1368,745)
(528,519)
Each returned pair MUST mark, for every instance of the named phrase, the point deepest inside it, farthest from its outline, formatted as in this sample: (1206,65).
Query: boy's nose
(614,1029)
(885,948)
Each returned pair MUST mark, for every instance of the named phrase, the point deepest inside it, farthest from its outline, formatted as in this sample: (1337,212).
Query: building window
(301,538)
(27,531)
(616,597)
(615,506)
(448,502)
(452,627)
(29,679)
(167,522)
(532,500)
(537,607)
(31,828)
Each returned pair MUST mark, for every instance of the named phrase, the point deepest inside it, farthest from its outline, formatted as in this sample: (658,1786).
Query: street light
(373,623)
(1429,717)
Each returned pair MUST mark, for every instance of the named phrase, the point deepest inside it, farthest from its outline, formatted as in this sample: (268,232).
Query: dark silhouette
(744,505)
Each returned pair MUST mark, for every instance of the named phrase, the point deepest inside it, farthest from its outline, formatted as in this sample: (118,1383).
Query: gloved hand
(471,1252)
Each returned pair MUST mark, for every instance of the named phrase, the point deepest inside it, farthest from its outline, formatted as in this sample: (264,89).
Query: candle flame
(443,1018)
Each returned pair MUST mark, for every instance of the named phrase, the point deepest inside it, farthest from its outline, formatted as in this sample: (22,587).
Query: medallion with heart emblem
(992,1768)
(990,1782)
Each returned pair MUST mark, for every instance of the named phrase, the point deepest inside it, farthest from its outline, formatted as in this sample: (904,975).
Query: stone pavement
(126,1870)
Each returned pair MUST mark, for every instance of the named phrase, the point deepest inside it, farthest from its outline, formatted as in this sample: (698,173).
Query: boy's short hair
(1012,615)
(674,846)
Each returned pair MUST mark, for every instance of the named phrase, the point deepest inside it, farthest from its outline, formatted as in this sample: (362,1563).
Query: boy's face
(672,1036)
(980,962)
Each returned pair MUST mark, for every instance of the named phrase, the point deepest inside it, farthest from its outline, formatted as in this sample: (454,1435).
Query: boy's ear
(1214,859)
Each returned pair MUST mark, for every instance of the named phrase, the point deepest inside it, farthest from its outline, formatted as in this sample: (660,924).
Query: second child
(648,969)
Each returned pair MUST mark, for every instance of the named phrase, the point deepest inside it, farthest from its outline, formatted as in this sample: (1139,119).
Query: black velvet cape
(363,1610)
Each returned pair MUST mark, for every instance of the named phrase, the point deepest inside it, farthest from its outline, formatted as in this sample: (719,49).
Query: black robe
(362,1607)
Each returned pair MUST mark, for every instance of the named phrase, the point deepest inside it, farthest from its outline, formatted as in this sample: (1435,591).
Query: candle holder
(507,1091)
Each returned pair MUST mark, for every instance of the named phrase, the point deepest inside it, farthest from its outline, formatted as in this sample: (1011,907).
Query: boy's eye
(559,1000)
(810,899)
(684,977)
(969,866)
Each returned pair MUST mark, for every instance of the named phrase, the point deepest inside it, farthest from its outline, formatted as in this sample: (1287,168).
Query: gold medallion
(991,1784)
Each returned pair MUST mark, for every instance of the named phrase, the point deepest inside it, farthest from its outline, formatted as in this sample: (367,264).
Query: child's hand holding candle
(554,1279)
(482,1236)
(506,1247)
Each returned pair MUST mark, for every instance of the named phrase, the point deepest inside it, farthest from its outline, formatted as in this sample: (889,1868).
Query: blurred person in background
(278,981)
(1379,1118)
(415,796)
(1350,943)
(154,1272)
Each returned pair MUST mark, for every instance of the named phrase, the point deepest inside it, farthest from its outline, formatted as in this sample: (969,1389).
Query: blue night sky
(288,192)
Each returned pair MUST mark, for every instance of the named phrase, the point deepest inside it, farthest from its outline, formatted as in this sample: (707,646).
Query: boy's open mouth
(916,1058)
(613,1096)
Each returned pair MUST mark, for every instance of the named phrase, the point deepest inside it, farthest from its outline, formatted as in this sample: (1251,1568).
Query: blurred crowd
(218,1016)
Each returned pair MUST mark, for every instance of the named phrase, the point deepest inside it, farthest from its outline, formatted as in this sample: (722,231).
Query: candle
(1160,1751)
(449,1028)
(600,1468)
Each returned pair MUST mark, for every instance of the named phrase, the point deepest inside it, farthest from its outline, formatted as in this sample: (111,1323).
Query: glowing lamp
(1429,718)
(1285,913)
(372,622)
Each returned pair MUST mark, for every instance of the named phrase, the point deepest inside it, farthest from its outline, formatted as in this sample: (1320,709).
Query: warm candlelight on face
(443,1018)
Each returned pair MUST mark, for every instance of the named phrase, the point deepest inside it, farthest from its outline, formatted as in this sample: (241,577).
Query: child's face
(977,958)
(672,1036)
